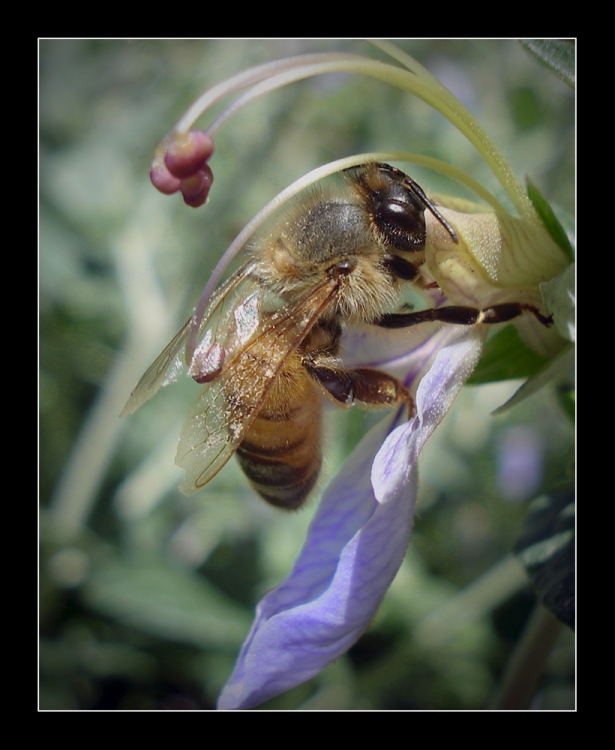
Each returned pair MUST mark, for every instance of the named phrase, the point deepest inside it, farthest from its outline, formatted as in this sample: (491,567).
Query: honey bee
(269,341)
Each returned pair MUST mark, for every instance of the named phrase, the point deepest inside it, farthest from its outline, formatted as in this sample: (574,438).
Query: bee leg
(362,384)
(401,268)
(464,316)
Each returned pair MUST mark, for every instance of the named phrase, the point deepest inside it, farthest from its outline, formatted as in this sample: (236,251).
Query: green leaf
(566,397)
(558,55)
(558,367)
(506,356)
(549,219)
(546,550)
(167,602)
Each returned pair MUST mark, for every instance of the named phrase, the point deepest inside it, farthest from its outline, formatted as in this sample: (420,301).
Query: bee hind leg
(364,385)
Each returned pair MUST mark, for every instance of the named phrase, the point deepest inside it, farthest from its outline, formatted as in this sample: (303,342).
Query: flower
(495,262)
(356,542)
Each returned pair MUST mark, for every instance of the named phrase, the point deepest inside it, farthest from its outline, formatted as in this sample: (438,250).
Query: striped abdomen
(281,451)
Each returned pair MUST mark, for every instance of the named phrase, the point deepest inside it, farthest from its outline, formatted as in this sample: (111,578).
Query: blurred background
(146,595)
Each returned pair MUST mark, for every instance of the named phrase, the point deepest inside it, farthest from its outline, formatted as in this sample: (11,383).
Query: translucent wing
(169,363)
(227,406)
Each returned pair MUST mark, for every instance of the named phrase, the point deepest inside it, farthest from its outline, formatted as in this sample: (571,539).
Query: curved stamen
(415,79)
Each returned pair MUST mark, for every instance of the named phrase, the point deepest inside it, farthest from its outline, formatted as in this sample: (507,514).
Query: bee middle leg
(465,316)
(365,385)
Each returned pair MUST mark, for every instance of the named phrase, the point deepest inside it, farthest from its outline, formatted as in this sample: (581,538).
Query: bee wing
(163,370)
(220,417)
(168,365)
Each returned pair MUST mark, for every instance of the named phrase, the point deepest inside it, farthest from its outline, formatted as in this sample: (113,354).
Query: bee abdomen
(281,453)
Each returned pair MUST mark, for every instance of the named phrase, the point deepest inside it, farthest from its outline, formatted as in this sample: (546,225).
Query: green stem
(526,665)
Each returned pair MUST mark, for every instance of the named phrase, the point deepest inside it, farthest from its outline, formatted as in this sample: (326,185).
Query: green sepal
(550,220)
(553,369)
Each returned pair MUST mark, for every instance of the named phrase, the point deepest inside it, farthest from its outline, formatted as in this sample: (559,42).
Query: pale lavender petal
(450,361)
(337,583)
(354,547)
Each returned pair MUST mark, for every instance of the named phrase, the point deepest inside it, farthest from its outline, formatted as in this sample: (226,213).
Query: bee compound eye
(402,224)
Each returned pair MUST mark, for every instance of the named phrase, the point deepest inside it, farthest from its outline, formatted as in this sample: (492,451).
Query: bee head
(396,212)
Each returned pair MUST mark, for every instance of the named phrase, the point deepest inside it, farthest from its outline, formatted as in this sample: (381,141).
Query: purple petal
(451,356)
(355,545)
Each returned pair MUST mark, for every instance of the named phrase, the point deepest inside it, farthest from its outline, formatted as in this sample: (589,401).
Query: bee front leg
(464,316)
(361,384)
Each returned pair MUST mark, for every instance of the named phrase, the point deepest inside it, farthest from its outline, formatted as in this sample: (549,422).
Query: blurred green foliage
(146,595)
